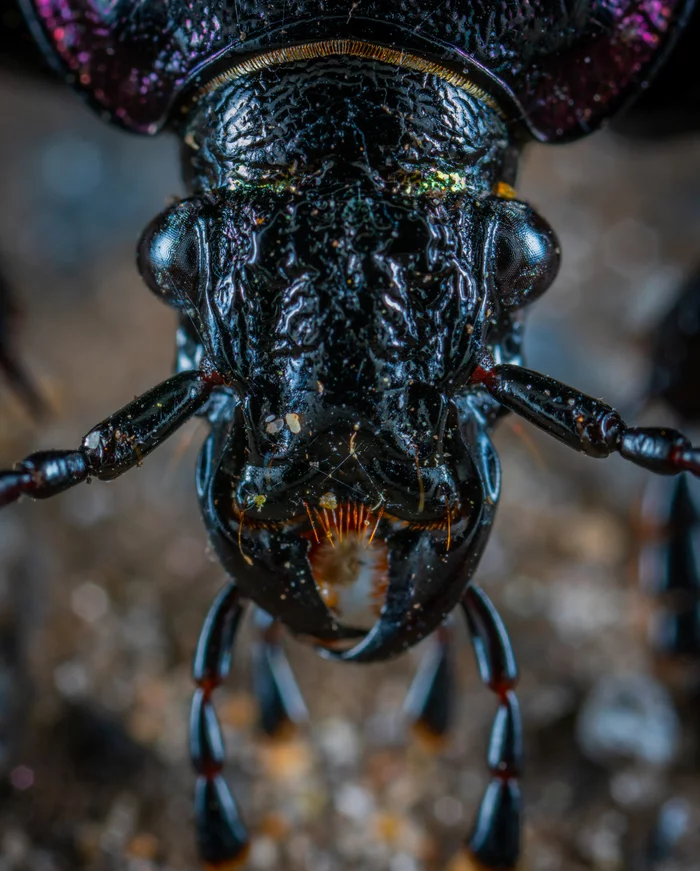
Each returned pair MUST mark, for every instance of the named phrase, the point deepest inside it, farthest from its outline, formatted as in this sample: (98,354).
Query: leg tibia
(494,844)
(670,566)
(280,701)
(221,835)
(430,700)
(495,841)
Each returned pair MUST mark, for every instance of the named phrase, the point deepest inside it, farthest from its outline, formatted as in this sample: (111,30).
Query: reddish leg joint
(222,838)
(495,840)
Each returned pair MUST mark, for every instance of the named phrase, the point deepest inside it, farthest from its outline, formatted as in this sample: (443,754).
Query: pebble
(71,679)
(639,786)
(449,811)
(89,602)
(354,801)
(264,853)
(403,862)
(601,843)
(339,741)
(293,422)
(629,716)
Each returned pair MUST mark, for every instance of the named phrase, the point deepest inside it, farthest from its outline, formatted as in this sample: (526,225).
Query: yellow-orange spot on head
(328,501)
(505,191)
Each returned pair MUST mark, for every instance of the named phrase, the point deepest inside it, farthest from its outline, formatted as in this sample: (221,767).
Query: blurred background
(103,590)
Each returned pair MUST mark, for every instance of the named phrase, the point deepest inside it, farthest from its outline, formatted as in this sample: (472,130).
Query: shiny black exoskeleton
(351,269)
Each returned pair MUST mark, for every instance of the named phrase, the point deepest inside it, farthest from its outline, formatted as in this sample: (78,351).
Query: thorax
(342,118)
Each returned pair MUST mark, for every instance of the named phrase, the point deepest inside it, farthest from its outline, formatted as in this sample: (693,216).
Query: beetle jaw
(383,575)
(339,567)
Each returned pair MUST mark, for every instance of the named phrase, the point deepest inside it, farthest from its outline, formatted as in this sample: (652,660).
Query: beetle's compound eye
(172,256)
(522,256)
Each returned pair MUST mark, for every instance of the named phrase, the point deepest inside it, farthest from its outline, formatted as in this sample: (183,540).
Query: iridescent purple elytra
(558,68)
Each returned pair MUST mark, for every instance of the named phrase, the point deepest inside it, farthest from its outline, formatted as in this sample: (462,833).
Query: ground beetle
(351,269)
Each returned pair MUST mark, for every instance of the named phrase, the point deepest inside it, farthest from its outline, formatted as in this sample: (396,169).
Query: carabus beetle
(351,270)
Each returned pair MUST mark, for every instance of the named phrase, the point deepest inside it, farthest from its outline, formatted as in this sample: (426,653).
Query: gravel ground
(103,590)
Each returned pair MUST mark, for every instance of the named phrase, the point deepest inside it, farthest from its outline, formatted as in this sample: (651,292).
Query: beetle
(351,284)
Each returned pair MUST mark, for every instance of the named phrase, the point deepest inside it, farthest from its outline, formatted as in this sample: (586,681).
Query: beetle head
(349,319)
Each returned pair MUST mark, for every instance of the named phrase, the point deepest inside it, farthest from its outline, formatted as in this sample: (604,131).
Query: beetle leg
(584,423)
(281,704)
(430,700)
(113,446)
(670,570)
(222,838)
(495,840)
